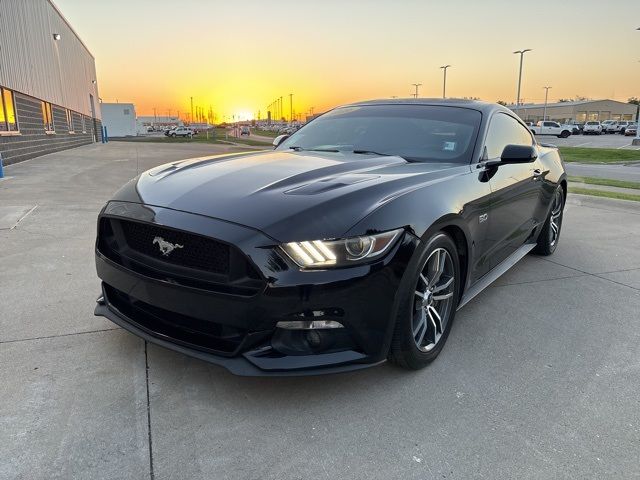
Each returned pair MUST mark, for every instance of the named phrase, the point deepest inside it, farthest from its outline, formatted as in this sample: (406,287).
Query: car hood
(287,195)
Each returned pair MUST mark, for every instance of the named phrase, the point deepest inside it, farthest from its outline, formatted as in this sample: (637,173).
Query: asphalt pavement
(630,172)
(539,377)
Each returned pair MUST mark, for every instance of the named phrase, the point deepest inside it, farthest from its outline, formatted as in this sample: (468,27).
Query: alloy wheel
(433,299)
(556,217)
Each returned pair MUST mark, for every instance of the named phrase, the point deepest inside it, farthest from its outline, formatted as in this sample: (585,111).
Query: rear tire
(565,134)
(428,305)
(550,233)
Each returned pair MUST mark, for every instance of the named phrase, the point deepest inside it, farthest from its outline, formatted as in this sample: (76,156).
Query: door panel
(515,189)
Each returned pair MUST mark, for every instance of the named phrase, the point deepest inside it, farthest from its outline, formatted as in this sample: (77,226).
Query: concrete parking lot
(591,141)
(539,377)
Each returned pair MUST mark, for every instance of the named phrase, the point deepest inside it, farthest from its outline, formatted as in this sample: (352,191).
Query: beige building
(579,111)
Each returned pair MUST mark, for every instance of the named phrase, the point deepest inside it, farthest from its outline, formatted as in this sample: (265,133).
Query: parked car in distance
(551,128)
(605,125)
(592,128)
(613,127)
(631,130)
(180,132)
(621,127)
(576,128)
(245,131)
(355,241)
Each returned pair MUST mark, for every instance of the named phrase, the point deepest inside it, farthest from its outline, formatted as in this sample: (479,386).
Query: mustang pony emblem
(166,247)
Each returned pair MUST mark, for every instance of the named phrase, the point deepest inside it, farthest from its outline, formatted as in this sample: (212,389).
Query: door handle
(537,173)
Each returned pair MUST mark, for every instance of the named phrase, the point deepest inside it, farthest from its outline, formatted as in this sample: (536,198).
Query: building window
(8,121)
(47,117)
(127,111)
(70,121)
(84,124)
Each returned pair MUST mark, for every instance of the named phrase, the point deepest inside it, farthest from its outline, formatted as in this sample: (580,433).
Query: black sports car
(353,242)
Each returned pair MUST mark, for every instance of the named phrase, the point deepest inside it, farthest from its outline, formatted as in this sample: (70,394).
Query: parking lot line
(583,144)
(624,146)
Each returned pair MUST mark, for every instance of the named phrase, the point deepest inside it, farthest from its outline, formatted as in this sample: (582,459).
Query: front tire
(428,307)
(550,233)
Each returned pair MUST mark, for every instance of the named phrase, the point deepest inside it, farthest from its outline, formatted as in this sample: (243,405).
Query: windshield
(415,132)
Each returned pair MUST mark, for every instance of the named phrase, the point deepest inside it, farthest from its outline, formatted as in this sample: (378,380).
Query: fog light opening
(309,325)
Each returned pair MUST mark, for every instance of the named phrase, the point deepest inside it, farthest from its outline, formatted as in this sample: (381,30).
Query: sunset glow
(236,58)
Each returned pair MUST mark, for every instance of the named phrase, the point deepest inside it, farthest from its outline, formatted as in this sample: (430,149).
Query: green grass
(599,155)
(265,133)
(606,182)
(218,138)
(604,193)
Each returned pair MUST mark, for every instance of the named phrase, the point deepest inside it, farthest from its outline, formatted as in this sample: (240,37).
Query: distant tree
(502,102)
(577,98)
(634,101)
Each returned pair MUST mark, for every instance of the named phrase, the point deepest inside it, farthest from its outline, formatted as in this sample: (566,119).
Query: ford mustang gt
(353,242)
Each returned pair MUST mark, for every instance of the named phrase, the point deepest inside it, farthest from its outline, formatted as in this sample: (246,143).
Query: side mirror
(279,139)
(518,154)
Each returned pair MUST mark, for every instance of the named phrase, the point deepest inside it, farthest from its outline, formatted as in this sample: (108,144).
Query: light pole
(636,141)
(546,96)
(444,83)
(521,53)
(290,107)
(415,95)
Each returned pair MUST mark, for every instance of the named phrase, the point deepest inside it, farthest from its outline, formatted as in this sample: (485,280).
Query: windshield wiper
(371,152)
(300,149)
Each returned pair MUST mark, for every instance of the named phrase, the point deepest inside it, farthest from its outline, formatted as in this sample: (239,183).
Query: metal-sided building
(119,119)
(48,85)
(579,111)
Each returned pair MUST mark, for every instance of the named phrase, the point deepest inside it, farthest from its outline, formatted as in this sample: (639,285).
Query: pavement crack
(58,336)
(146,364)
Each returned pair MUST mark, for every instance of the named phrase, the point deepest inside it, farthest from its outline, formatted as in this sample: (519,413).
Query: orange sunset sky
(238,56)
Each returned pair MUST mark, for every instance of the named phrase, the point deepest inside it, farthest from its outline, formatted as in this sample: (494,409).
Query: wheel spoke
(433,314)
(445,285)
(440,260)
(437,298)
(418,325)
(424,279)
(420,294)
(554,227)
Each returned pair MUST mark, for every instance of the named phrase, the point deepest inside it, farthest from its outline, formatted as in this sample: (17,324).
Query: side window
(503,131)
(8,122)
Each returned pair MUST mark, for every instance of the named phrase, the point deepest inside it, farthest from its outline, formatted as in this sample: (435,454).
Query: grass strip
(604,193)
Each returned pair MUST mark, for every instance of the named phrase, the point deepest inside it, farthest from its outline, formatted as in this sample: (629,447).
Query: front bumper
(197,322)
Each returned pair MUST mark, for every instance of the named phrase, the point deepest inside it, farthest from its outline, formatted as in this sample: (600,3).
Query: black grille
(202,262)
(189,250)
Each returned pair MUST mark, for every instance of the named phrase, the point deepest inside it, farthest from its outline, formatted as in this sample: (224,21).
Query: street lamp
(415,95)
(636,141)
(546,96)
(444,84)
(521,53)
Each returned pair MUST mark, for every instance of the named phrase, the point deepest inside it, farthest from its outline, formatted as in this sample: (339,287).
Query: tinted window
(416,132)
(504,131)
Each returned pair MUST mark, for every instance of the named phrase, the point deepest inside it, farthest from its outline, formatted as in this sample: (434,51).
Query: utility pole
(191,118)
(415,95)
(281,109)
(444,84)
(290,107)
(521,53)
(636,141)
(155,117)
(546,96)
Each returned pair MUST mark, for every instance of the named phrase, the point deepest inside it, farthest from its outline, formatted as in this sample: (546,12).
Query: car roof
(481,106)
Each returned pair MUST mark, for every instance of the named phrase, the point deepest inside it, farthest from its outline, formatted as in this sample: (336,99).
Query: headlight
(339,253)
